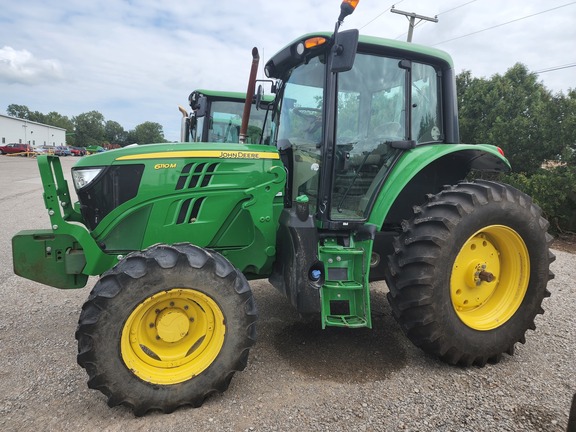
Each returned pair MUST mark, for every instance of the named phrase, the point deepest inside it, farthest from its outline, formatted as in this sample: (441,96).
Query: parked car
(15,148)
(62,151)
(78,151)
(47,149)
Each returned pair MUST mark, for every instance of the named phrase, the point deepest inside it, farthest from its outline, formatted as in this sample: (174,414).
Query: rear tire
(469,272)
(165,328)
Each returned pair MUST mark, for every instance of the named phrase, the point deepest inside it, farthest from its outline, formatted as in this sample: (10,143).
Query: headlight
(83,177)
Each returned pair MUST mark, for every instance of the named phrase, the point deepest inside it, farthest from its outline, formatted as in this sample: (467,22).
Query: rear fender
(425,169)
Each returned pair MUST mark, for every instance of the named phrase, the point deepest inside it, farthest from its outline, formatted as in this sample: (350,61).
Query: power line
(378,16)
(456,7)
(555,68)
(506,23)
(421,23)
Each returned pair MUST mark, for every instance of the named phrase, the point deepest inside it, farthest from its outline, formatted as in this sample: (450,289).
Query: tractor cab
(341,133)
(216,116)
(366,127)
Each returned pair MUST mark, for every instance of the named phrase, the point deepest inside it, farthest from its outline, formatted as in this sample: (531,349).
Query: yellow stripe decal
(219,154)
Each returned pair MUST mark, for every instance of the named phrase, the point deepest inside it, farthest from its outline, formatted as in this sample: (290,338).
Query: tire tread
(416,255)
(136,266)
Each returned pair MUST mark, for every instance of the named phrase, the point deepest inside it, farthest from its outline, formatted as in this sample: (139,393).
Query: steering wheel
(312,116)
(307,113)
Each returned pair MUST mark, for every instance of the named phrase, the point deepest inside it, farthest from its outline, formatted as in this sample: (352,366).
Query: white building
(17,130)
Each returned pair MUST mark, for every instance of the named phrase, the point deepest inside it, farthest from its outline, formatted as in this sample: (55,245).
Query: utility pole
(412,17)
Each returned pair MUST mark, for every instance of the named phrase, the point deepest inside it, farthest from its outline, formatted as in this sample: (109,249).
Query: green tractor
(216,116)
(364,180)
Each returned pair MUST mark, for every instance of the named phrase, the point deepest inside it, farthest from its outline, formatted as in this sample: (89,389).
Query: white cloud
(135,61)
(21,67)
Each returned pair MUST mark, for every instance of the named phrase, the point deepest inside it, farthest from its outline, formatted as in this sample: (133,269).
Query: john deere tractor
(216,116)
(364,179)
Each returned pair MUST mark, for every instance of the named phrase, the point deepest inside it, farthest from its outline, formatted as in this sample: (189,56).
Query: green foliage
(565,128)
(149,133)
(513,111)
(115,133)
(20,111)
(348,107)
(554,190)
(534,128)
(89,128)
(55,119)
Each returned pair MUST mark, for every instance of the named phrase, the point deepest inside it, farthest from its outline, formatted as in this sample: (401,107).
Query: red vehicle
(78,151)
(15,148)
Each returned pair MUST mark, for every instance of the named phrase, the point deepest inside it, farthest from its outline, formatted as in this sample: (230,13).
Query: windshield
(377,101)
(224,120)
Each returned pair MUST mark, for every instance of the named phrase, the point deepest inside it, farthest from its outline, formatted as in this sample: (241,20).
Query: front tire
(469,272)
(165,328)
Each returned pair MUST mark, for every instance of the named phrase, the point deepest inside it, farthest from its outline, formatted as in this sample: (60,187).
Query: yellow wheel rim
(172,336)
(490,277)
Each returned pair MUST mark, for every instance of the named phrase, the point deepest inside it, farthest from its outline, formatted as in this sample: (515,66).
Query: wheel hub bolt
(486,276)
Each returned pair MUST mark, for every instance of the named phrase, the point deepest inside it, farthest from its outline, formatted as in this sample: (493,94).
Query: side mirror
(344,50)
(259,96)
(201,107)
(198,103)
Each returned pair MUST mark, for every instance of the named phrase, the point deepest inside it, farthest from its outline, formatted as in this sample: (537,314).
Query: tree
(89,129)
(565,130)
(533,127)
(56,119)
(512,111)
(115,133)
(147,133)
(554,190)
(20,111)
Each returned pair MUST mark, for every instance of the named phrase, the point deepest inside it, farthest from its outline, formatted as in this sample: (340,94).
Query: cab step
(345,293)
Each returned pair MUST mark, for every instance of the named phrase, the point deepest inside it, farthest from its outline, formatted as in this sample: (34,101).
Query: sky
(137,60)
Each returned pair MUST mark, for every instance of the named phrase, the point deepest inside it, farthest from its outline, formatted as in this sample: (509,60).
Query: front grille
(112,188)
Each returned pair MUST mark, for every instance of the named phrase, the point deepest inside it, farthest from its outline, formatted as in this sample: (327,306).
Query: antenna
(412,17)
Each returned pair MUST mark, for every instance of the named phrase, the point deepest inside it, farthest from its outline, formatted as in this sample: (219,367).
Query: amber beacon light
(346,8)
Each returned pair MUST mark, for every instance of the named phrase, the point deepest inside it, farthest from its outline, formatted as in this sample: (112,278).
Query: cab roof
(228,95)
(280,62)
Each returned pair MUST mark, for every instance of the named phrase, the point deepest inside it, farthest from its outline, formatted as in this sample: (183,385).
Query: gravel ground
(298,378)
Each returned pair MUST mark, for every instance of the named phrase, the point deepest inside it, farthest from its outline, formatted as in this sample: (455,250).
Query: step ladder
(345,293)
